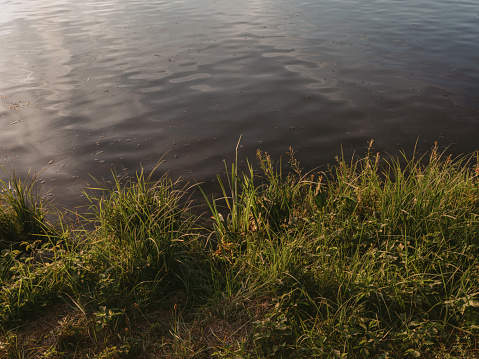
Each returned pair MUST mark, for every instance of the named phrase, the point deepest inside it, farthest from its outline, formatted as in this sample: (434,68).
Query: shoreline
(371,257)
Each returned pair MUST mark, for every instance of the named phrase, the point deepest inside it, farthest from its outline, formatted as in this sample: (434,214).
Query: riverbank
(372,257)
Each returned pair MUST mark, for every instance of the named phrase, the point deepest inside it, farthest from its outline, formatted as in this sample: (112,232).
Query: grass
(22,216)
(374,257)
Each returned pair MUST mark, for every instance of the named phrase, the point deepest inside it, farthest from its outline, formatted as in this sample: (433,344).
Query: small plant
(106,317)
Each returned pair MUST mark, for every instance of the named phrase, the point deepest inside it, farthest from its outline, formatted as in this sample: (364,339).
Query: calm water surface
(87,86)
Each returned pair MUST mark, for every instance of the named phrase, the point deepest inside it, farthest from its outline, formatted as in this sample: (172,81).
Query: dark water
(86,86)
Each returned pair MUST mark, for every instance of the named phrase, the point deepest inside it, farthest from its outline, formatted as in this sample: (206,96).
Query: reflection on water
(88,86)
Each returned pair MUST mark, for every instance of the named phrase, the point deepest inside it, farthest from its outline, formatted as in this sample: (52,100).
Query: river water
(88,86)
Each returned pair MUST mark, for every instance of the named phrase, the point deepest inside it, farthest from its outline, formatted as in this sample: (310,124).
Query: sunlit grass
(22,213)
(375,256)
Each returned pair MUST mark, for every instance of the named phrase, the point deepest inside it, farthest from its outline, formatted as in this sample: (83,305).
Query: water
(88,86)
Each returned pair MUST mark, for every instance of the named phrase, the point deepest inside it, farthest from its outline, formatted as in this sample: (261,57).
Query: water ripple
(118,83)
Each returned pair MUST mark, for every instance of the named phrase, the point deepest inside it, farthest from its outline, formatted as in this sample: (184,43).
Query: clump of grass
(372,257)
(142,237)
(412,198)
(141,218)
(22,213)
(263,204)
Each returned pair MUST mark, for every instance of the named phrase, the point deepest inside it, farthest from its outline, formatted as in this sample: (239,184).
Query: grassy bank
(370,258)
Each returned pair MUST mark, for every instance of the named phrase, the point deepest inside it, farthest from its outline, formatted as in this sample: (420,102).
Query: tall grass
(362,260)
(141,218)
(371,257)
(22,214)
(142,238)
